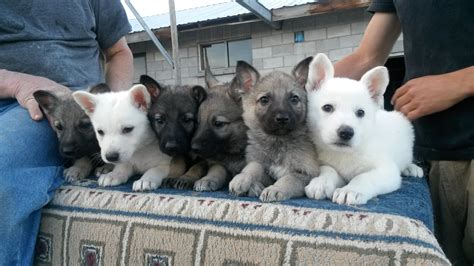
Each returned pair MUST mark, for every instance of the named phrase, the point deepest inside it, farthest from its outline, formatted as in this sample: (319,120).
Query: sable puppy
(220,137)
(77,141)
(279,149)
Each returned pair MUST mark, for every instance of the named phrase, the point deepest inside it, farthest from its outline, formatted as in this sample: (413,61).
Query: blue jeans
(30,171)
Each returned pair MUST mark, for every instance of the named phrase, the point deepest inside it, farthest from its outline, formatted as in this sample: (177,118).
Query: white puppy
(125,137)
(363,148)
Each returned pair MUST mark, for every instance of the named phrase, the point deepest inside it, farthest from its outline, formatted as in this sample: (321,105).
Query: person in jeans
(437,97)
(52,45)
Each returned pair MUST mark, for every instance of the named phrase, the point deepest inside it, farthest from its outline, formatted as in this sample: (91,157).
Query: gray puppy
(279,144)
(77,141)
(220,138)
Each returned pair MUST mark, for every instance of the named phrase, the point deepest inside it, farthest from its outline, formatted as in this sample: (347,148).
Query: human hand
(23,87)
(430,94)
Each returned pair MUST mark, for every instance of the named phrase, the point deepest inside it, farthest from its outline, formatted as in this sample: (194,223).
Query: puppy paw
(320,188)
(349,197)
(273,193)
(144,185)
(111,179)
(169,182)
(74,173)
(206,185)
(104,169)
(255,189)
(240,185)
(413,170)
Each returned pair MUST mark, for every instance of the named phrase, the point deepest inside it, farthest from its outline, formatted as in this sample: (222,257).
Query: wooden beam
(317,8)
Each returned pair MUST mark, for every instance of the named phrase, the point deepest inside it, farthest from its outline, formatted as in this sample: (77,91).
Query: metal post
(174,42)
(150,33)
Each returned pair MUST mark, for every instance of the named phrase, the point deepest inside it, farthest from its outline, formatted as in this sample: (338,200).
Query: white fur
(381,148)
(138,150)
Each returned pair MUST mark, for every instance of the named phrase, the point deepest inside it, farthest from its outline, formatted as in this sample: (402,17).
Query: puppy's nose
(171,145)
(112,156)
(68,150)
(345,133)
(282,118)
(196,147)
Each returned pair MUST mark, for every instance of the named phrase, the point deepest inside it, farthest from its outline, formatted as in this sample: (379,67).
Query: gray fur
(77,140)
(222,143)
(280,151)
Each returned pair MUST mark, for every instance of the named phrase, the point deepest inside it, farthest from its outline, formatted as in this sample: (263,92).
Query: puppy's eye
(126,130)
(263,100)
(188,119)
(100,132)
(58,125)
(159,120)
(85,125)
(360,113)
(294,99)
(219,124)
(328,108)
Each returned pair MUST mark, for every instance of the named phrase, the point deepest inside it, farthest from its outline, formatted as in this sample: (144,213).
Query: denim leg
(30,171)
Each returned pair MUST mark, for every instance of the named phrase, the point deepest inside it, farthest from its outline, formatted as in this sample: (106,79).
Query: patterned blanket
(88,225)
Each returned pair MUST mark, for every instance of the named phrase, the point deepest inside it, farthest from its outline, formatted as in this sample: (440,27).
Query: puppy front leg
(383,179)
(81,168)
(119,175)
(323,186)
(215,179)
(288,186)
(152,178)
(251,181)
(186,181)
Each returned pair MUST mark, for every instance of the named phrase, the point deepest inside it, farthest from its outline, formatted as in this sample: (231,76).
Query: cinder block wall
(336,34)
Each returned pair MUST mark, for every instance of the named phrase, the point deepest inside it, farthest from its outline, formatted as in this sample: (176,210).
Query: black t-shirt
(60,39)
(438,37)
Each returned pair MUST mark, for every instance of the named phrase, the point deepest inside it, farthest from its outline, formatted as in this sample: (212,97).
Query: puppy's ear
(152,86)
(245,77)
(376,80)
(209,78)
(47,100)
(100,88)
(86,101)
(199,93)
(300,71)
(320,70)
(140,97)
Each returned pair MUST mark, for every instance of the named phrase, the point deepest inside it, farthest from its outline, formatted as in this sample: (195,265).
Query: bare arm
(379,38)
(119,66)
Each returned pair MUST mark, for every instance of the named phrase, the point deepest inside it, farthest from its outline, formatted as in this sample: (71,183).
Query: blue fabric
(30,171)
(411,200)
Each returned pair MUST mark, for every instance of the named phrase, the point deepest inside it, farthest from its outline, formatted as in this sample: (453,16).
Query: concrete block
(273,62)
(262,52)
(338,54)
(271,40)
(339,30)
(316,34)
(283,49)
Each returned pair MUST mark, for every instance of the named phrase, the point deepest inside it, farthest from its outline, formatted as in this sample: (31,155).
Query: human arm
(377,42)
(430,94)
(21,87)
(119,66)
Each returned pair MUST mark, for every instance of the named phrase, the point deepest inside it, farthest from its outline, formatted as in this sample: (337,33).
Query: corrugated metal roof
(204,13)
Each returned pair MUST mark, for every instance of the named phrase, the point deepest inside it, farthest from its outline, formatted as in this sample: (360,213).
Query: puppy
(77,141)
(363,148)
(220,138)
(173,117)
(279,149)
(125,137)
